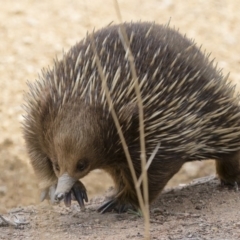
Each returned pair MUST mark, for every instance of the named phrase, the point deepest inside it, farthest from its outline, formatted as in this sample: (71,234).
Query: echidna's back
(187,105)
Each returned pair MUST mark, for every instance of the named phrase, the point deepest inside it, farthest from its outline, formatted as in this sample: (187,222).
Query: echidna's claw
(123,208)
(108,206)
(85,197)
(52,190)
(115,205)
(43,195)
(48,193)
(80,193)
(68,199)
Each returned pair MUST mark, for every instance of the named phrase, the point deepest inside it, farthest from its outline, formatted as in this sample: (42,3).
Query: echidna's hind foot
(228,169)
(121,201)
(115,205)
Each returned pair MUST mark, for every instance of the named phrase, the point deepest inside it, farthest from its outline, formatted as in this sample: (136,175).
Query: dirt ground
(32,33)
(201,210)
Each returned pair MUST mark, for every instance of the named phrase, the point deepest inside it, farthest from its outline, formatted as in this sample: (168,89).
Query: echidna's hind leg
(228,169)
(124,197)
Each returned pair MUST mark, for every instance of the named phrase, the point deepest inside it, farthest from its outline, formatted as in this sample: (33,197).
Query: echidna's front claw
(80,193)
(48,193)
(68,199)
(43,195)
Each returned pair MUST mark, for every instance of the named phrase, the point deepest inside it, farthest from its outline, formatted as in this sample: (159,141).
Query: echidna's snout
(64,186)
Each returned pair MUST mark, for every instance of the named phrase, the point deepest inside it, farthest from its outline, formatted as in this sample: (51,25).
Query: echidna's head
(75,146)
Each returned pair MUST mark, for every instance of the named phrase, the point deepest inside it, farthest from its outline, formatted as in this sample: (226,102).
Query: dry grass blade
(127,47)
(140,179)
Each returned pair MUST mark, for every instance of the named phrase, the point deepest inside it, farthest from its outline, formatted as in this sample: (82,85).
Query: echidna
(189,110)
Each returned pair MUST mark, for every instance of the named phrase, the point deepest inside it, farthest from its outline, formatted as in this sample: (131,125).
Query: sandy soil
(33,32)
(201,210)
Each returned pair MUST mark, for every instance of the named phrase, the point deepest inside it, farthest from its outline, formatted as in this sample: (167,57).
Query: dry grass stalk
(126,44)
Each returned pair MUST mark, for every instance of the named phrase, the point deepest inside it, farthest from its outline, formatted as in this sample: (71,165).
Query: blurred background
(33,32)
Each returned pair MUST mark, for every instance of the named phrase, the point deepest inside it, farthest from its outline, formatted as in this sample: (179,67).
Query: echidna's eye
(82,164)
